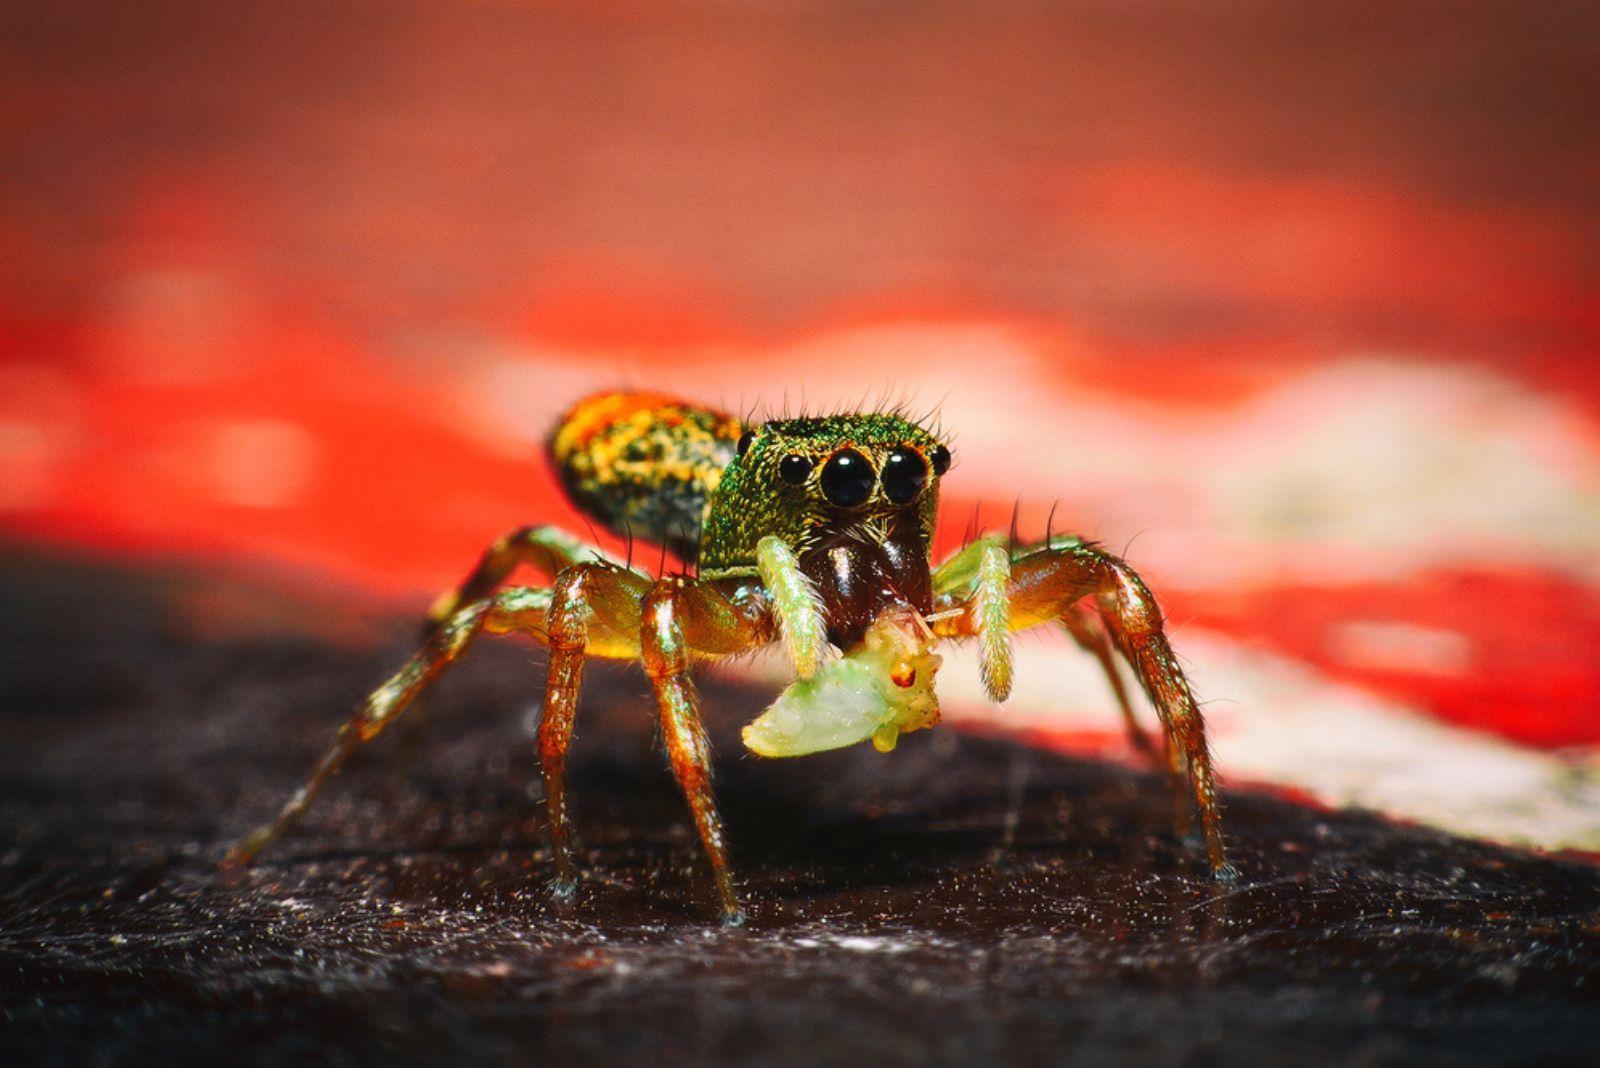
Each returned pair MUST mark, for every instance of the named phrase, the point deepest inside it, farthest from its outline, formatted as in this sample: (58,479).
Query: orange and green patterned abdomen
(644,464)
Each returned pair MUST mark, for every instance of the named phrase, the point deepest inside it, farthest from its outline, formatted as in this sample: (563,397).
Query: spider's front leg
(987,590)
(598,609)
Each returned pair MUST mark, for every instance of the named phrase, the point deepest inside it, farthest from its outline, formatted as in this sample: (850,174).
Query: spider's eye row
(847,478)
(744,442)
(794,468)
(905,472)
(941,459)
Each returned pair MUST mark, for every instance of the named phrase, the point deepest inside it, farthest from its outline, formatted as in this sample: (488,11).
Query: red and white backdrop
(1299,307)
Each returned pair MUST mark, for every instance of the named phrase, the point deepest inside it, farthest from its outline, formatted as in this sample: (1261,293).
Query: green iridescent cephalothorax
(754,500)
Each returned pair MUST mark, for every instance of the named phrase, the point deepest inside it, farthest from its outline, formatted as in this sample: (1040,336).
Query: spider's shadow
(944,803)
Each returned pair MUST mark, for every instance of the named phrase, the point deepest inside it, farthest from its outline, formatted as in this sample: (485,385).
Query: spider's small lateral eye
(847,479)
(905,472)
(744,442)
(941,459)
(794,468)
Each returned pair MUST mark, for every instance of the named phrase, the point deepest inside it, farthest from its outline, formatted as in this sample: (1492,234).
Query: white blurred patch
(172,326)
(512,401)
(1403,647)
(1286,724)
(1375,469)
(262,463)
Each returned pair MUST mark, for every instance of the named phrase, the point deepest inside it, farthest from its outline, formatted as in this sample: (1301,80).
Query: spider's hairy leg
(1092,630)
(679,617)
(963,574)
(796,603)
(1093,638)
(1047,582)
(517,609)
(547,549)
(594,611)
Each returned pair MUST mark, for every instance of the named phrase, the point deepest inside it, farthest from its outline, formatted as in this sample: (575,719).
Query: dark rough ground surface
(962,901)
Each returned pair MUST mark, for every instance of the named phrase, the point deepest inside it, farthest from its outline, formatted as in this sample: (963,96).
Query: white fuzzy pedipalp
(799,607)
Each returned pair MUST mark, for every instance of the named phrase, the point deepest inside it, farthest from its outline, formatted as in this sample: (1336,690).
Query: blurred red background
(1300,300)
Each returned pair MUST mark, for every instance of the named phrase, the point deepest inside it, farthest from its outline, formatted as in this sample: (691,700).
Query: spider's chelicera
(815,532)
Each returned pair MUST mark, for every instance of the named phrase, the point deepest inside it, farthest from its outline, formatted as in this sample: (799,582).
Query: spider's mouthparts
(862,578)
(881,689)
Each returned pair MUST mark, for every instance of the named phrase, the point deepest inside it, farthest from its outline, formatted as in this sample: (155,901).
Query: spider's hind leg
(547,549)
(519,609)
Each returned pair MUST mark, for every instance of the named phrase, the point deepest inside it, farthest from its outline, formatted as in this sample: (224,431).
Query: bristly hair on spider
(810,530)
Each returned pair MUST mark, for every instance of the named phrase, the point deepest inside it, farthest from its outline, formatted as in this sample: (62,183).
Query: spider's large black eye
(941,459)
(744,442)
(847,479)
(794,469)
(904,474)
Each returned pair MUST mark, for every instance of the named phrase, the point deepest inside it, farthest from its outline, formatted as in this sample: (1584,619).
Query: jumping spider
(812,531)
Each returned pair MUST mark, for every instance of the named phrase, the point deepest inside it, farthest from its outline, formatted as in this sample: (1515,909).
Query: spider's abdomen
(644,464)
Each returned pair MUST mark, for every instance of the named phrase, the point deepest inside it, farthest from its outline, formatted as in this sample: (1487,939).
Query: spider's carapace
(815,532)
